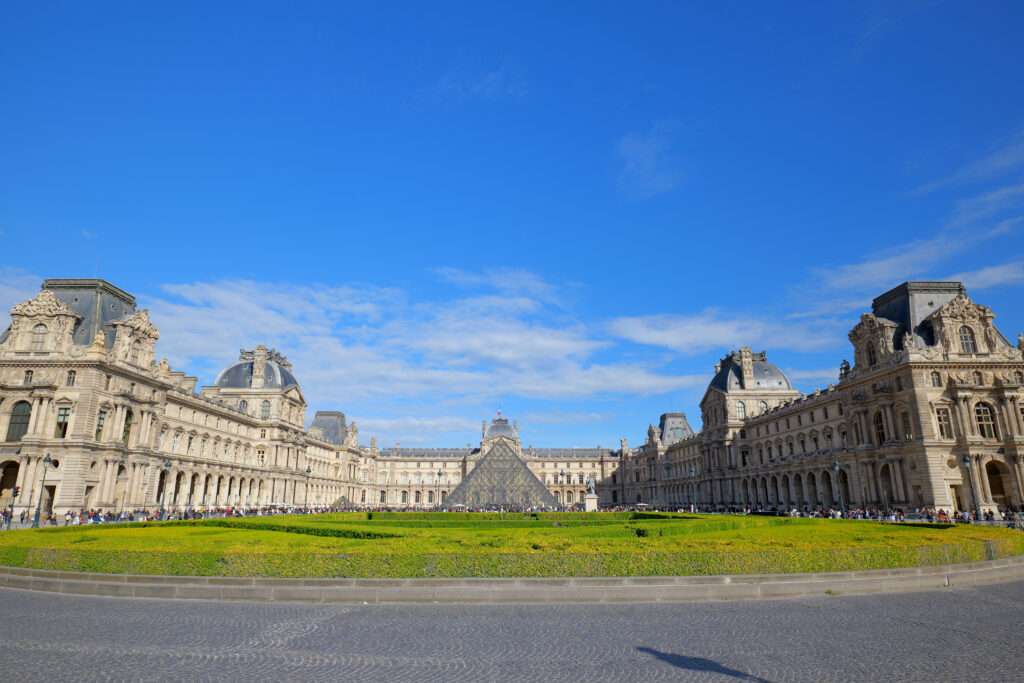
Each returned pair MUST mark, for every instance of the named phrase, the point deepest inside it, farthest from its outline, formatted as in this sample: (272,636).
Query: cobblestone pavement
(956,634)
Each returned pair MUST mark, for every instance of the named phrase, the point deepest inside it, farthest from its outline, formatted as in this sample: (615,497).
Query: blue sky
(571,212)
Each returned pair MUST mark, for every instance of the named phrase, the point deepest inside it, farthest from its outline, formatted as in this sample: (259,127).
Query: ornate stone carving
(142,325)
(45,304)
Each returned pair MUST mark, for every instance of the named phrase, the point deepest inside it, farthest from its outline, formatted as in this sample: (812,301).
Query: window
(872,357)
(20,414)
(106,387)
(28,377)
(243,405)
(70,381)
(265,410)
(417,494)
(978,380)
(744,457)
(136,350)
(936,379)
(899,384)
(382,494)
(99,424)
(580,479)
(263,433)
(63,417)
(405,496)
(908,433)
(38,337)
(879,428)
(967,343)
(986,421)
(127,432)
(945,423)
(763,407)
(741,410)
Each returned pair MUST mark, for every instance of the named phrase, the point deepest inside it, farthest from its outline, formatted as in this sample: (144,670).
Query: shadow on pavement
(700,664)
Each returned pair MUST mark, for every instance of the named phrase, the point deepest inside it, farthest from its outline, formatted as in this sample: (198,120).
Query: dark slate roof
(333,425)
(426,453)
(766,375)
(674,427)
(98,302)
(568,453)
(239,376)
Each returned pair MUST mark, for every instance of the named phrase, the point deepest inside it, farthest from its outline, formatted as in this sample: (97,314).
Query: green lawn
(458,544)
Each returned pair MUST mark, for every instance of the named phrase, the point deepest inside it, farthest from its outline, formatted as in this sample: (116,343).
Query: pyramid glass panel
(501,479)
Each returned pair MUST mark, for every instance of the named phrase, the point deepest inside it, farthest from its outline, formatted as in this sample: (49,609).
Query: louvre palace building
(931,413)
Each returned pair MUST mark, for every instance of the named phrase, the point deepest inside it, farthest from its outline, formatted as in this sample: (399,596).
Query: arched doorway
(826,489)
(121,487)
(812,490)
(844,486)
(885,480)
(999,483)
(8,479)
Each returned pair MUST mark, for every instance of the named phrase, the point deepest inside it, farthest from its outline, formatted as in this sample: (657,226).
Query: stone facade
(930,414)
(79,383)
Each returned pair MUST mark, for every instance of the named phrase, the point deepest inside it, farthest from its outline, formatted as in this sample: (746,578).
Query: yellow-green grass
(470,545)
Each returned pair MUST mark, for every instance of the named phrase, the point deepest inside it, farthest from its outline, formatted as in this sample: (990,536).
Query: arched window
(38,337)
(763,406)
(967,343)
(872,357)
(405,496)
(986,421)
(20,414)
(741,410)
(243,405)
(265,410)
(936,379)
(70,378)
(879,428)
(136,350)
(417,496)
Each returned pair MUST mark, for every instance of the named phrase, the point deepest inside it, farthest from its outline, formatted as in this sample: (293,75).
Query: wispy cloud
(456,88)
(992,276)
(648,164)
(714,330)
(16,285)
(505,280)
(1007,159)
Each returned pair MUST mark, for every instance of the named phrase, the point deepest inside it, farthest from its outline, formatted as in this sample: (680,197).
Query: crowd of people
(1008,516)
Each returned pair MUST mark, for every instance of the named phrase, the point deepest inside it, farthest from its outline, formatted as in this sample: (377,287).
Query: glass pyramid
(501,479)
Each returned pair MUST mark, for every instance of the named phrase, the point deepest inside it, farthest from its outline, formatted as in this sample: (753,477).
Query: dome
(766,376)
(500,427)
(276,375)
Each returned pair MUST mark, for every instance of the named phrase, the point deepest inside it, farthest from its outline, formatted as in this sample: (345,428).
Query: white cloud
(711,330)
(16,286)
(1004,160)
(515,281)
(648,166)
(992,276)
(814,374)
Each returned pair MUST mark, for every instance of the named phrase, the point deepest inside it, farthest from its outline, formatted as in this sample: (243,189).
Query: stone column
(966,409)
(983,478)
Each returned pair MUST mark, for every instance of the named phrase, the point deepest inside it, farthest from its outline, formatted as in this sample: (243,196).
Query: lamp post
(308,472)
(970,483)
(839,485)
(42,490)
(437,492)
(693,488)
(163,502)
(127,480)
(562,475)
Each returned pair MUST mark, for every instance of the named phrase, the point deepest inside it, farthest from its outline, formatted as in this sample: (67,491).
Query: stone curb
(496,591)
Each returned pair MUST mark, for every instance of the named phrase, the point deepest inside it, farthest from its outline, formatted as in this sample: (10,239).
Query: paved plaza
(956,634)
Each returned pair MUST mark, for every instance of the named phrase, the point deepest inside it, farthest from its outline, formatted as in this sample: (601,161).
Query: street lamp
(437,491)
(970,482)
(127,479)
(693,488)
(308,472)
(839,485)
(562,475)
(163,502)
(42,490)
